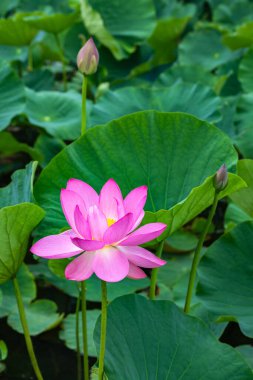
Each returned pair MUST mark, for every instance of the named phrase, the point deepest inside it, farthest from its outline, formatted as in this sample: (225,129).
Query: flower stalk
(84,95)
(220,181)
(28,339)
(30,58)
(64,71)
(196,257)
(84,329)
(154,272)
(78,355)
(103,330)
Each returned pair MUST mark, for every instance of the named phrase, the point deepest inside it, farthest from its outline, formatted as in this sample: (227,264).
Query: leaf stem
(64,71)
(103,330)
(78,356)
(196,257)
(28,339)
(85,340)
(30,58)
(155,272)
(84,94)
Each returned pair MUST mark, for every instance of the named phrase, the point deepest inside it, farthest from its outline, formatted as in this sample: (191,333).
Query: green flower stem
(85,340)
(84,91)
(64,71)
(155,272)
(30,58)
(103,331)
(196,258)
(78,356)
(23,320)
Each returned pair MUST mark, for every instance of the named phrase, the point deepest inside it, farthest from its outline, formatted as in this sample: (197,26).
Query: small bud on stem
(87,58)
(221,178)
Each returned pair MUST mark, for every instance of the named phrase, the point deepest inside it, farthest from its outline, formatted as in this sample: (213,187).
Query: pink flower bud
(87,58)
(221,178)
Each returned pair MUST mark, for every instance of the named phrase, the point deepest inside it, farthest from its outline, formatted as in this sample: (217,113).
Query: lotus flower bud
(87,58)
(221,178)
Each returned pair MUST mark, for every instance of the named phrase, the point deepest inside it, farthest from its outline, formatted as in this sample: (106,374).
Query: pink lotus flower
(104,226)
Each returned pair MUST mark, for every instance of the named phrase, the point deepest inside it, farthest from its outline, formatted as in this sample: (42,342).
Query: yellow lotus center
(110,221)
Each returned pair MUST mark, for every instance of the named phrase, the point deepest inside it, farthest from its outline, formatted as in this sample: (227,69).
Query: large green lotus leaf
(68,332)
(58,113)
(93,285)
(247,352)
(16,32)
(188,74)
(233,12)
(119,28)
(173,9)
(41,316)
(173,18)
(39,80)
(7,5)
(16,225)
(242,37)
(235,215)
(181,97)
(244,111)
(135,324)
(9,54)
(52,23)
(12,100)
(27,288)
(245,71)
(21,187)
(48,147)
(56,5)
(9,145)
(244,140)
(243,122)
(165,37)
(204,48)
(244,197)
(194,74)
(232,87)
(225,277)
(226,124)
(132,22)
(95,26)
(172,153)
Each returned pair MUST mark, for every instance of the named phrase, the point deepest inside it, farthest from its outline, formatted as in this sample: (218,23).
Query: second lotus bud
(221,178)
